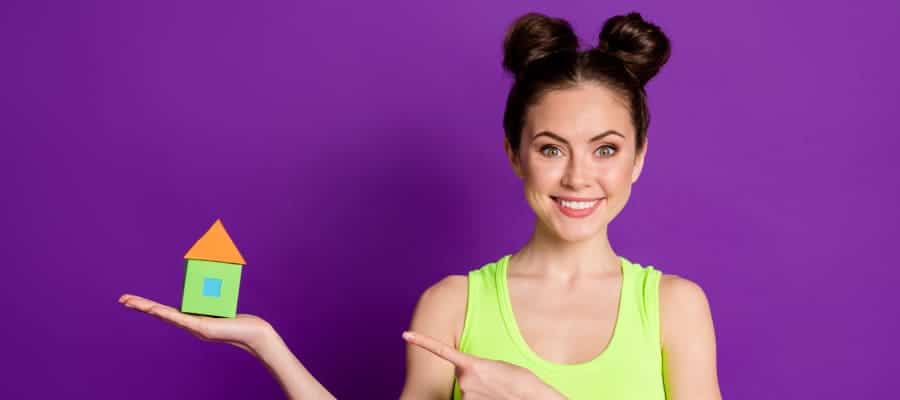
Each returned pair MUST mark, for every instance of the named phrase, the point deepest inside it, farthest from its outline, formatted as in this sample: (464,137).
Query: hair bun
(534,36)
(641,45)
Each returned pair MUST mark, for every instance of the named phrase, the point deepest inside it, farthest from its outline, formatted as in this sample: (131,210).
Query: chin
(576,234)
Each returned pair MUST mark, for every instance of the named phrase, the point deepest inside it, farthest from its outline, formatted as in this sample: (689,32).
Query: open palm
(244,330)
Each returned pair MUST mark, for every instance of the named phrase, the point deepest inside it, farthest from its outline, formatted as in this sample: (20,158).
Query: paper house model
(212,274)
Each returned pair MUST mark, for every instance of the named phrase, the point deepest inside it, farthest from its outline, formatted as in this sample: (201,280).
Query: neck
(549,256)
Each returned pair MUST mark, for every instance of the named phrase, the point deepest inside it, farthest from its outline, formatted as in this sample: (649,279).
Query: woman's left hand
(486,379)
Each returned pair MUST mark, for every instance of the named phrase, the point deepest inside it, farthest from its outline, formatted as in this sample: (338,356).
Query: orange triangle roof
(215,245)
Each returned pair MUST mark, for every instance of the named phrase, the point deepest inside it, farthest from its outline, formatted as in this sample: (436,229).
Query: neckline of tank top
(519,342)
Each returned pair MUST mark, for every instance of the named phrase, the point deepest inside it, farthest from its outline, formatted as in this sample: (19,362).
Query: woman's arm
(481,378)
(688,341)
(247,332)
(439,314)
(294,378)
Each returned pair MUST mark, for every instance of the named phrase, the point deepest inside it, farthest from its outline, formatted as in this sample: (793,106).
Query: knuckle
(477,368)
(465,382)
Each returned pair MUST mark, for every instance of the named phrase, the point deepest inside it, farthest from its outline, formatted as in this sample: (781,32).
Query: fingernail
(407,335)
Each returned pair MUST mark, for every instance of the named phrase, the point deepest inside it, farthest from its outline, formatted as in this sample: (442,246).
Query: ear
(513,157)
(639,161)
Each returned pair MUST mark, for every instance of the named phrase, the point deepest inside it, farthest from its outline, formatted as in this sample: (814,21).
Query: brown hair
(542,54)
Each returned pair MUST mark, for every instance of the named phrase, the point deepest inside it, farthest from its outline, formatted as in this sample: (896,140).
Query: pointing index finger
(438,348)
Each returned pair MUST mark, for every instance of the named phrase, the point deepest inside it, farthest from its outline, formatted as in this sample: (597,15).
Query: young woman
(564,316)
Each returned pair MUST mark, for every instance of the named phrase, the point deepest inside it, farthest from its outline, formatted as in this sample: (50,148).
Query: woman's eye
(551,151)
(606,151)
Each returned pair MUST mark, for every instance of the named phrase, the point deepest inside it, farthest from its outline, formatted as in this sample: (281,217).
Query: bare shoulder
(441,309)
(681,290)
(684,307)
(688,340)
(448,288)
(439,313)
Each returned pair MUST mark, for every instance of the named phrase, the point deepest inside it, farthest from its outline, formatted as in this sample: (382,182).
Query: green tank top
(630,367)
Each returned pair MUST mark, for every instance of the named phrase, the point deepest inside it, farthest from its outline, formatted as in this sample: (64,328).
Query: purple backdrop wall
(354,153)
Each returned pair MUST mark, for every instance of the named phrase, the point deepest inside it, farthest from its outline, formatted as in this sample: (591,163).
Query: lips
(567,198)
(576,207)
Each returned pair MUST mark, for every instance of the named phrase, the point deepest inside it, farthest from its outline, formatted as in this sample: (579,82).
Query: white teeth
(577,205)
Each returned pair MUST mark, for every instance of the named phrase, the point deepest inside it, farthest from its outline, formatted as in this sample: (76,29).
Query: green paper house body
(212,276)
(211,288)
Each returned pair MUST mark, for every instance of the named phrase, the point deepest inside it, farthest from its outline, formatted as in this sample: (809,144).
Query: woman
(564,316)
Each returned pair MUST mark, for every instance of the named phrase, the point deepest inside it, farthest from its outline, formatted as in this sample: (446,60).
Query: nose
(577,175)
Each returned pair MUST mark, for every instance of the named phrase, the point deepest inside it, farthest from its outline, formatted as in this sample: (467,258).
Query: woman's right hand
(246,331)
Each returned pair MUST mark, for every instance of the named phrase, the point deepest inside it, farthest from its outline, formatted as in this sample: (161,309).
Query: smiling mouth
(576,204)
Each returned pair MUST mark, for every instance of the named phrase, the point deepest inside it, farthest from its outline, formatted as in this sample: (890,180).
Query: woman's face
(577,160)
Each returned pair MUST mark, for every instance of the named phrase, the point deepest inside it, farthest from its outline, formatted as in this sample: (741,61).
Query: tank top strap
(479,300)
(644,296)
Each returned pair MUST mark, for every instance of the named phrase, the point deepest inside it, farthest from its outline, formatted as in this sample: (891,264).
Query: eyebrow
(560,138)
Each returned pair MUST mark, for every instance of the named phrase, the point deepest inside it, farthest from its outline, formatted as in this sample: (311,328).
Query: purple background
(354,153)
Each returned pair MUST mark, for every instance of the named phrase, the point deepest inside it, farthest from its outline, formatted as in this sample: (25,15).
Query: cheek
(542,176)
(617,185)
(615,178)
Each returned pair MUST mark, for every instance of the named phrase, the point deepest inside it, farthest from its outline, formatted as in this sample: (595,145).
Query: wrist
(295,380)
(266,342)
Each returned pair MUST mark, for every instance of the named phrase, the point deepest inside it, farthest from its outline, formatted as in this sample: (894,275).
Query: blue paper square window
(212,287)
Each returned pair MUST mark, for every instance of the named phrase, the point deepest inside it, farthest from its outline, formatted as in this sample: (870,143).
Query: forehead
(583,110)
